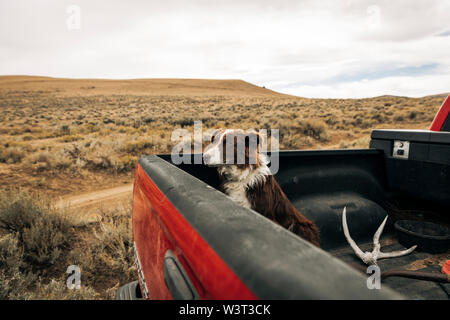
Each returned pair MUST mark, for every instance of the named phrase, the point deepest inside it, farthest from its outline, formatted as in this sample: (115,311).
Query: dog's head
(234,147)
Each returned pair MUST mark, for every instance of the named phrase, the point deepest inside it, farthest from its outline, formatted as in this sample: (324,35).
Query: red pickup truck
(193,242)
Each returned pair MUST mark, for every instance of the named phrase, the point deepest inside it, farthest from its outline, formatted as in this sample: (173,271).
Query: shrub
(412,115)
(331,120)
(362,123)
(105,154)
(70,138)
(378,117)
(11,155)
(183,122)
(107,253)
(47,160)
(126,163)
(314,128)
(64,130)
(148,120)
(13,151)
(37,243)
(14,283)
(137,146)
(360,143)
(89,128)
(399,116)
(28,138)
(107,120)
(41,232)
(10,254)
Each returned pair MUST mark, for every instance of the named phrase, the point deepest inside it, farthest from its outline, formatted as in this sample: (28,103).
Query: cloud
(310,48)
(400,86)
(444,34)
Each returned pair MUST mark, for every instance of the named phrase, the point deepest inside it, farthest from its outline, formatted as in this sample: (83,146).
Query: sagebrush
(38,243)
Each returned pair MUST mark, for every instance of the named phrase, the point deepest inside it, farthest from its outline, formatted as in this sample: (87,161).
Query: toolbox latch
(401,149)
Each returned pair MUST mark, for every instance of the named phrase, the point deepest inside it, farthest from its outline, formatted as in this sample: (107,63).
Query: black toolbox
(417,162)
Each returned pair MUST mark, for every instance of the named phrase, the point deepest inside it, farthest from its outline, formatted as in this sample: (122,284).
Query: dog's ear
(253,141)
(252,135)
(215,134)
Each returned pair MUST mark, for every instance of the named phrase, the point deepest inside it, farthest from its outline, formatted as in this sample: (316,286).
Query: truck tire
(130,291)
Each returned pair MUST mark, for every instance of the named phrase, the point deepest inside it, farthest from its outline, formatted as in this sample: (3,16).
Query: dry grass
(52,130)
(38,243)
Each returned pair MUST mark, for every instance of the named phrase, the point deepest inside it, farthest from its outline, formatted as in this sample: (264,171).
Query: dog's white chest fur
(239,181)
(237,191)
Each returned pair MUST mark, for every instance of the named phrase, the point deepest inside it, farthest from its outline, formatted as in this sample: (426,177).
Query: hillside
(153,87)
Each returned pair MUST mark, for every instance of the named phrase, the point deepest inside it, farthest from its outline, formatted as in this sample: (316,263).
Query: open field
(91,132)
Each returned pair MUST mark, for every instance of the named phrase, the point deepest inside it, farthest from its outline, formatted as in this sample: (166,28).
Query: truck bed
(180,216)
(317,206)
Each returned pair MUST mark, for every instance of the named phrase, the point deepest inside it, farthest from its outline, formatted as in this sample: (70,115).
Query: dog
(246,179)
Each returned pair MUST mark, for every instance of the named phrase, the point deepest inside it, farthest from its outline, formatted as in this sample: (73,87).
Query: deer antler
(371,257)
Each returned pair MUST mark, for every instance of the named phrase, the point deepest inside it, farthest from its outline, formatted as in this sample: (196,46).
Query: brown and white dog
(247,179)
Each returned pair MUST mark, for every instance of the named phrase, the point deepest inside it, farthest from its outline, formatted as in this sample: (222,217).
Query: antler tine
(350,241)
(376,236)
(393,254)
(371,257)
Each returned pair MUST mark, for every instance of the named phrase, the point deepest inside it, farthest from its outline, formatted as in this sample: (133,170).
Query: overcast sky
(310,48)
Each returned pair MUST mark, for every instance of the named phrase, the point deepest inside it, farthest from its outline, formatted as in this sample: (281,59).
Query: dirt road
(90,203)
